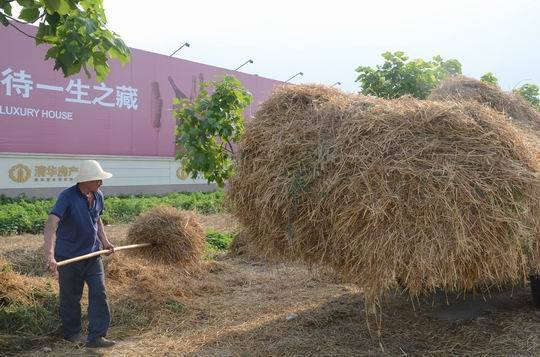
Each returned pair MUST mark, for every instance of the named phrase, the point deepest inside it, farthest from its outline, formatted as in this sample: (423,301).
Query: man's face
(93,186)
(96,184)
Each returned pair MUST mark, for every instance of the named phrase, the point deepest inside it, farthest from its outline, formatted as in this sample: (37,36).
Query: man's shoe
(77,338)
(100,342)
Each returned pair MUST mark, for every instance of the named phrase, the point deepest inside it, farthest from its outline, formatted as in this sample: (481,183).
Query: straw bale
(433,195)
(461,88)
(176,236)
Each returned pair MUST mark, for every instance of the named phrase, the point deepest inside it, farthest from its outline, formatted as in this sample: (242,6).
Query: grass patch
(38,318)
(174,306)
(130,315)
(25,325)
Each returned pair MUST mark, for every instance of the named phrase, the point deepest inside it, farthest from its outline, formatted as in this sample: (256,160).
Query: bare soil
(241,306)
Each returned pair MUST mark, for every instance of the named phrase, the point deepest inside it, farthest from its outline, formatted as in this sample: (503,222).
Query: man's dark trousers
(71,278)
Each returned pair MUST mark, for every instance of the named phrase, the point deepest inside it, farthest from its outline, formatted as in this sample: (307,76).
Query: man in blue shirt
(74,228)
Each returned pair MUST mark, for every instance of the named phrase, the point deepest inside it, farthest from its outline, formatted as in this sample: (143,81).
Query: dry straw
(239,244)
(520,112)
(428,195)
(462,88)
(19,288)
(136,280)
(176,236)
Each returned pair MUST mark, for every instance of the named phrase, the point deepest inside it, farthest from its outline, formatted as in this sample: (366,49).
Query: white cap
(90,170)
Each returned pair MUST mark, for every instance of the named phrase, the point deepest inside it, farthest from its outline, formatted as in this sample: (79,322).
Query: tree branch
(226,149)
(24,23)
(230,145)
(21,31)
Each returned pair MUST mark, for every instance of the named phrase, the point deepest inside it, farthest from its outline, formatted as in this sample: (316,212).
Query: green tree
(400,76)
(74,29)
(208,126)
(531,93)
(490,79)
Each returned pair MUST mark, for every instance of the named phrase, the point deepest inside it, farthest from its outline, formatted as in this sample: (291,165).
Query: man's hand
(105,243)
(51,264)
(108,245)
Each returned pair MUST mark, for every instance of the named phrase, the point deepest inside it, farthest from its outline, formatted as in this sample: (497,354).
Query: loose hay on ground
(20,288)
(142,292)
(149,281)
(433,195)
(27,261)
(176,236)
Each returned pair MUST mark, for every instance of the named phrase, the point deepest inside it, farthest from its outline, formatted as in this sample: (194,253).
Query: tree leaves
(207,127)
(76,30)
(53,5)
(399,76)
(531,93)
(27,3)
(3,20)
(6,6)
(489,78)
(29,14)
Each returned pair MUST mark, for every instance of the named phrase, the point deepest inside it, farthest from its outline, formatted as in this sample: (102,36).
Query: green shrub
(218,241)
(22,215)
(5,199)
(123,210)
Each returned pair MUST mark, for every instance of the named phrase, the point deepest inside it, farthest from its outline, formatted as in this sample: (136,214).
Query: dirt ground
(240,306)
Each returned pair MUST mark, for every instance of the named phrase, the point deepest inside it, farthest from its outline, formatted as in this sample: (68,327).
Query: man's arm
(105,243)
(50,238)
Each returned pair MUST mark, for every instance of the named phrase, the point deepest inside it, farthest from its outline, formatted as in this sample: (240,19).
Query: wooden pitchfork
(99,252)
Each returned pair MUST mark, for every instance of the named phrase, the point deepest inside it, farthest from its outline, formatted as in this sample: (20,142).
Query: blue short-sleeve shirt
(77,230)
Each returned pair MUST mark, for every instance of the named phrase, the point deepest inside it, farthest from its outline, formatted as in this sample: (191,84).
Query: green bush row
(28,216)
(24,216)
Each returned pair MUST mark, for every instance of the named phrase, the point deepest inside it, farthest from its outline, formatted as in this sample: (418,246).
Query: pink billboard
(128,114)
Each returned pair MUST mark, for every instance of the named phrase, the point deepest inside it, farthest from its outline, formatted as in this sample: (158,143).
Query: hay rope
(176,235)
(428,194)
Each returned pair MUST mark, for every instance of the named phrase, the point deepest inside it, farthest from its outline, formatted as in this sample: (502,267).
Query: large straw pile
(462,88)
(428,194)
(176,236)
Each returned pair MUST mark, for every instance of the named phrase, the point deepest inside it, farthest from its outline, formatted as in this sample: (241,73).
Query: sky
(328,40)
